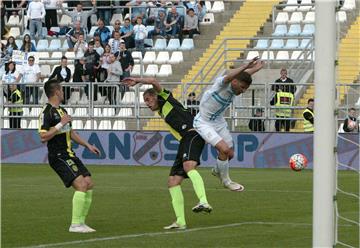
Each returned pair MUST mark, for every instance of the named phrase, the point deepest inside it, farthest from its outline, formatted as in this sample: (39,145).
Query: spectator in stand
(92,66)
(73,35)
(117,28)
(62,73)
(160,28)
(11,45)
(257,125)
(200,10)
(138,10)
(2,19)
(15,113)
(284,79)
(98,46)
(127,63)
(10,77)
(193,104)
(350,123)
(51,14)
(127,33)
(35,13)
(114,43)
(79,15)
(181,7)
(79,71)
(173,23)
(27,45)
(104,62)
(283,101)
(92,61)
(140,33)
(103,32)
(80,47)
(30,74)
(191,24)
(104,13)
(308,116)
(156,8)
(114,73)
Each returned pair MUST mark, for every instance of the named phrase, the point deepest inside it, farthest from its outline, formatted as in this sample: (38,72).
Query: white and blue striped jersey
(216,100)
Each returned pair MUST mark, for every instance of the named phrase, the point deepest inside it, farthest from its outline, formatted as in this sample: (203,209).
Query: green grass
(274,211)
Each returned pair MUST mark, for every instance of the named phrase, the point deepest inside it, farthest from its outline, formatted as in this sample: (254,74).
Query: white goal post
(324,124)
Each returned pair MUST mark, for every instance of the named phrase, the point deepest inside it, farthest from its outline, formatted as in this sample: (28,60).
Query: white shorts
(213,131)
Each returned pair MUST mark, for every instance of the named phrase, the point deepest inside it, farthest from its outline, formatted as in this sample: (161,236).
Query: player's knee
(90,185)
(227,152)
(81,185)
(172,182)
(189,165)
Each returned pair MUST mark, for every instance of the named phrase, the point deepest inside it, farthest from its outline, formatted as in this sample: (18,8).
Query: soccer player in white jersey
(210,122)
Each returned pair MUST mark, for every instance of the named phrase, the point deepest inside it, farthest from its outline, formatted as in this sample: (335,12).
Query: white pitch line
(126,236)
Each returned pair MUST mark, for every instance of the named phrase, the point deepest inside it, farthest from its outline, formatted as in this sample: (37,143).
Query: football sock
(78,207)
(198,185)
(88,200)
(178,204)
(223,167)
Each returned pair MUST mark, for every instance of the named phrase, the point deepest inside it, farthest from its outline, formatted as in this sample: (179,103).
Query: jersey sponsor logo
(147,149)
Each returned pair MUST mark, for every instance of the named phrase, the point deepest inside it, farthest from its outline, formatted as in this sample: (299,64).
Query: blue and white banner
(252,150)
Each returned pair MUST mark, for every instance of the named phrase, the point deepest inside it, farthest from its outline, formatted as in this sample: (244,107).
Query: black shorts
(190,148)
(68,168)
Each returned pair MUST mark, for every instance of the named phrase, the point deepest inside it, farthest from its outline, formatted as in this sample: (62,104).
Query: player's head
(311,103)
(241,83)
(150,99)
(53,90)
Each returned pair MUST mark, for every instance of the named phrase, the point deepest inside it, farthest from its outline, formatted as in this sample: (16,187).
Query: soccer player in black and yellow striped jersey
(180,122)
(55,129)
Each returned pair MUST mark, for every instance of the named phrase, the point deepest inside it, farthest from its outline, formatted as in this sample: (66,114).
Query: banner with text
(252,150)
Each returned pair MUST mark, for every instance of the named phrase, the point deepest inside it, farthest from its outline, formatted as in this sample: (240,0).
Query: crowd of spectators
(102,56)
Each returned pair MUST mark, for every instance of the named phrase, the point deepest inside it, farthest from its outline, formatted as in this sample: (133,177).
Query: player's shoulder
(46,108)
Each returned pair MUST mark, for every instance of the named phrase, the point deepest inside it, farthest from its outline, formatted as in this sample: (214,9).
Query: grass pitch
(132,204)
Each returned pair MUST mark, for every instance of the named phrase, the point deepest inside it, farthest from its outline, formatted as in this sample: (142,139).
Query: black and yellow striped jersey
(178,118)
(61,142)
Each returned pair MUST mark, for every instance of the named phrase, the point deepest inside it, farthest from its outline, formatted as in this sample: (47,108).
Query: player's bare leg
(222,166)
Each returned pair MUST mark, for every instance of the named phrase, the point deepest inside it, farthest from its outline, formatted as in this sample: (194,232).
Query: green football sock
(88,200)
(198,185)
(78,207)
(178,204)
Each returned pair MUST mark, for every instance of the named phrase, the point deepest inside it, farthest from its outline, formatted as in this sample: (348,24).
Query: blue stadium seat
(262,44)
(187,44)
(292,43)
(55,45)
(277,44)
(160,44)
(280,30)
(309,29)
(42,45)
(174,44)
(294,30)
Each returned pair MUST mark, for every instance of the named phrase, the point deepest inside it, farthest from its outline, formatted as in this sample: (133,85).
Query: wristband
(59,126)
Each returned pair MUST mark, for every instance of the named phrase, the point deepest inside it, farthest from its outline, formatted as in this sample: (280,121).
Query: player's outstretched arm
(76,137)
(256,67)
(235,72)
(132,81)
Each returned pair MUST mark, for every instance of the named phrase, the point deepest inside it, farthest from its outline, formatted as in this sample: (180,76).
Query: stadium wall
(252,150)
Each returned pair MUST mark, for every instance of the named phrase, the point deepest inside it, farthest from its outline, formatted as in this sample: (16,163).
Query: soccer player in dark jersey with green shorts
(180,122)
(55,129)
